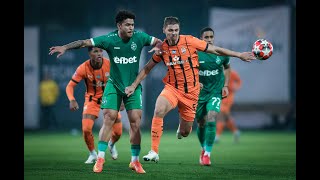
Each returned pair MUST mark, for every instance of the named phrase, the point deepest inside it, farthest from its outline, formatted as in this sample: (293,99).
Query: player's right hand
(57,49)
(73,105)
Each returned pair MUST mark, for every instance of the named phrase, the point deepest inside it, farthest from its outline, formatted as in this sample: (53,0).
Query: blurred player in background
(49,93)
(95,72)
(224,117)
(124,46)
(214,72)
(179,54)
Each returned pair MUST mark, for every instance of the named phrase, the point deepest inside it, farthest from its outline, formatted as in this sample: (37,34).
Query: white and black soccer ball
(262,49)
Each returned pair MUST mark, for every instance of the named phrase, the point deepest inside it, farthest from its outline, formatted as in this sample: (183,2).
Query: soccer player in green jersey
(124,47)
(214,74)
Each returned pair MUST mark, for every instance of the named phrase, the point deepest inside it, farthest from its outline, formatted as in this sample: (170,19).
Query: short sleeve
(101,41)
(199,44)
(146,39)
(79,74)
(156,58)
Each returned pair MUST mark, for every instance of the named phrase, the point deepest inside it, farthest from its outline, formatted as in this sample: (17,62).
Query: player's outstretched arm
(244,56)
(142,74)
(73,45)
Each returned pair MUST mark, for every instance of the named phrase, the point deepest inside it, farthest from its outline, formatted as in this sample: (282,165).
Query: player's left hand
(225,92)
(129,90)
(157,48)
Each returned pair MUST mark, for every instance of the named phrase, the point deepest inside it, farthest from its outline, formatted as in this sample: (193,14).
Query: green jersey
(211,74)
(124,55)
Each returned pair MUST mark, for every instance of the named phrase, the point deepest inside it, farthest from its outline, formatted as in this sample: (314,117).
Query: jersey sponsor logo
(176,58)
(99,84)
(183,50)
(176,62)
(208,73)
(133,46)
(124,60)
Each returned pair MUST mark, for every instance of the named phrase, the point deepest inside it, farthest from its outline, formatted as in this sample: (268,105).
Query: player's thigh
(214,104)
(111,98)
(201,111)
(187,105)
(134,101)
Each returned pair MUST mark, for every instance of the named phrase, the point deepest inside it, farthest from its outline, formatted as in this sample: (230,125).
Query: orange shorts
(187,102)
(93,108)
(227,103)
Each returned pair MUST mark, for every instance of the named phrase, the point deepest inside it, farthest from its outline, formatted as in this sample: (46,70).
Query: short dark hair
(206,29)
(90,48)
(170,20)
(123,15)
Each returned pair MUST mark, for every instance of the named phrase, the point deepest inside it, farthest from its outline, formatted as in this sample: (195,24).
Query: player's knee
(159,111)
(86,129)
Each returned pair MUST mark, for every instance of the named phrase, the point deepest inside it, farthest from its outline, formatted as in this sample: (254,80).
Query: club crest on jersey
(218,61)
(183,50)
(173,51)
(133,46)
(107,74)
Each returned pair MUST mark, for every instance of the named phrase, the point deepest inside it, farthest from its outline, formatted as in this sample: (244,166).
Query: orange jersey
(234,84)
(95,79)
(182,62)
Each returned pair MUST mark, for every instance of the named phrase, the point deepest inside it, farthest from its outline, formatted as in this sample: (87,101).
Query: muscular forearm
(227,76)
(70,90)
(142,74)
(222,51)
(78,44)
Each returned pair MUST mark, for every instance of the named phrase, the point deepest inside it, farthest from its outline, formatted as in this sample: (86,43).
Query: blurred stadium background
(268,94)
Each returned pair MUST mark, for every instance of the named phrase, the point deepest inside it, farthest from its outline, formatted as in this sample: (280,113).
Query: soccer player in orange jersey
(179,54)
(224,118)
(95,73)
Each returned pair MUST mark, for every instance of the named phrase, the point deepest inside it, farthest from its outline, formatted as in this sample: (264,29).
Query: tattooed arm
(73,45)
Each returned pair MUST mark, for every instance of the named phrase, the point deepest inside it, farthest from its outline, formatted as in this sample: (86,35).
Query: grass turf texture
(258,155)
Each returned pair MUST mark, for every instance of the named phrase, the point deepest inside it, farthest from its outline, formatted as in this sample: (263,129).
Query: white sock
(110,144)
(101,154)
(207,153)
(134,158)
(93,152)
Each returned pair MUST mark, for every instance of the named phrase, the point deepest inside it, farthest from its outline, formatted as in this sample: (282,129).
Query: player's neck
(123,37)
(173,42)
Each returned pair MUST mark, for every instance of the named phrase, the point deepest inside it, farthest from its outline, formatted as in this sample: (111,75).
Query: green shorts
(112,98)
(204,107)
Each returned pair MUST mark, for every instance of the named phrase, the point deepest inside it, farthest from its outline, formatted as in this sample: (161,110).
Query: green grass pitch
(258,155)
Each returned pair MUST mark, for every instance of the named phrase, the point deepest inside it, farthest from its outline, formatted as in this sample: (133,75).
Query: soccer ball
(262,49)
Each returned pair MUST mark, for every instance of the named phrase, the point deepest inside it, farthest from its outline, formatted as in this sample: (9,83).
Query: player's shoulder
(139,33)
(111,34)
(84,64)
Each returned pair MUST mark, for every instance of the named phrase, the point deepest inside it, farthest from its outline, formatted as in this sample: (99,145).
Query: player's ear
(163,30)
(118,25)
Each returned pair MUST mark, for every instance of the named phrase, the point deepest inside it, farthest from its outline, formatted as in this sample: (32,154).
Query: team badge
(218,61)
(107,74)
(133,46)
